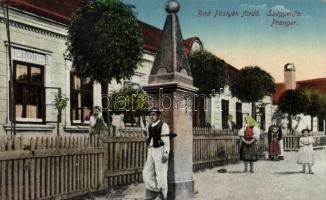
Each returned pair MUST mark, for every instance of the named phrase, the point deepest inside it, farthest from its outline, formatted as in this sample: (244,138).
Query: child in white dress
(306,151)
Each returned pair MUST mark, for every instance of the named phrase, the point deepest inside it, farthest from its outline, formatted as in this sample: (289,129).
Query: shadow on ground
(235,172)
(288,172)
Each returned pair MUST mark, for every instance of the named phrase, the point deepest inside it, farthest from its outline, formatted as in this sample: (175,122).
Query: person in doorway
(249,136)
(229,124)
(274,136)
(156,166)
(306,151)
(97,123)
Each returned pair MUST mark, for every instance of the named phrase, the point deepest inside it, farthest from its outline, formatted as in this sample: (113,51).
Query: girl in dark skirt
(249,136)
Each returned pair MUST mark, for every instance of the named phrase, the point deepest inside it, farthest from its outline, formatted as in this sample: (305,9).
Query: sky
(265,33)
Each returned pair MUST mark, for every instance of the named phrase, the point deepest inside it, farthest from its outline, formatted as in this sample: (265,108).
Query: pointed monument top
(172,6)
(171,62)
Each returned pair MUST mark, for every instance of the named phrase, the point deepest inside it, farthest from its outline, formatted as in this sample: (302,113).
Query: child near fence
(306,151)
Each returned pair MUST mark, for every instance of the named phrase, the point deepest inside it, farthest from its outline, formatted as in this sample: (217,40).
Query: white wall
(41,41)
(37,41)
(300,122)
(214,113)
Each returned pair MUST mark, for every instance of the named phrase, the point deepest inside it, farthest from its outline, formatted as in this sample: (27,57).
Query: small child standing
(306,150)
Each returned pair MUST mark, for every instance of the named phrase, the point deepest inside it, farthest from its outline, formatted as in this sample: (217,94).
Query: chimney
(289,76)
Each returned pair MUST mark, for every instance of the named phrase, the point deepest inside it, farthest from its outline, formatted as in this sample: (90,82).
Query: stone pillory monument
(171,87)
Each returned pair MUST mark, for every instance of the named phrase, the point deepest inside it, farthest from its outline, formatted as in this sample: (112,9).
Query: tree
(278,116)
(209,75)
(130,102)
(293,102)
(315,107)
(60,103)
(104,42)
(209,72)
(252,84)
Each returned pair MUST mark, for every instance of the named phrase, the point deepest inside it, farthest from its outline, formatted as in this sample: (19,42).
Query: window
(225,111)
(262,117)
(29,92)
(320,124)
(81,99)
(238,115)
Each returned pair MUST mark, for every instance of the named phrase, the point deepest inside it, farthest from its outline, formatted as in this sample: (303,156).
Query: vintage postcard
(163,99)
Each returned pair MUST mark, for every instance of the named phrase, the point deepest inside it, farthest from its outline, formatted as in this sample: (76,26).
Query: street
(272,180)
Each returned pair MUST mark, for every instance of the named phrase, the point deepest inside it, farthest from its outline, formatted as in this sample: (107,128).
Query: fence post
(105,163)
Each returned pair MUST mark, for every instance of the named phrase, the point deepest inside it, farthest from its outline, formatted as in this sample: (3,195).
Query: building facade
(36,53)
(219,107)
(38,32)
(301,121)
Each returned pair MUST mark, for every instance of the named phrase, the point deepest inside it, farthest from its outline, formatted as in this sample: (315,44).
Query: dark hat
(98,108)
(274,126)
(156,110)
(303,130)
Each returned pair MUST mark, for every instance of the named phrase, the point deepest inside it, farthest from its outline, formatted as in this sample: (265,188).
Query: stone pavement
(272,180)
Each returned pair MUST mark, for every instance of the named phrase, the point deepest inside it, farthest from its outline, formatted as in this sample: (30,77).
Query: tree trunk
(59,116)
(105,103)
(290,124)
(58,121)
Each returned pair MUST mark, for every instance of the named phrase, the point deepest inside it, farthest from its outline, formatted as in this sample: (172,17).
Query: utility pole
(12,112)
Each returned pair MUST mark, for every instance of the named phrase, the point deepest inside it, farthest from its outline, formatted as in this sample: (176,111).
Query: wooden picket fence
(126,157)
(320,141)
(65,167)
(127,153)
(291,142)
(50,167)
(213,147)
(212,131)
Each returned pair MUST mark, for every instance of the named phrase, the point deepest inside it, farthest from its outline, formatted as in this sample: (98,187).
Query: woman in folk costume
(249,136)
(97,123)
(274,136)
(306,151)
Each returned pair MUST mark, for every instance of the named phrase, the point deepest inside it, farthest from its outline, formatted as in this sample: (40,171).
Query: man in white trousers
(156,166)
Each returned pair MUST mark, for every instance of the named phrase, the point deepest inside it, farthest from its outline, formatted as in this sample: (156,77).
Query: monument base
(181,190)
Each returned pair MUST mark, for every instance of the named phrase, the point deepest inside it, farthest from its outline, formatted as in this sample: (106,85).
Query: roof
(280,88)
(152,36)
(49,9)
(189,42)
(318,84)
(67,8)
(232,71)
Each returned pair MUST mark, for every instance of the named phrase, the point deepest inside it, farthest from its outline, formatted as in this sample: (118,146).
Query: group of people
(158,146)
(249,136)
